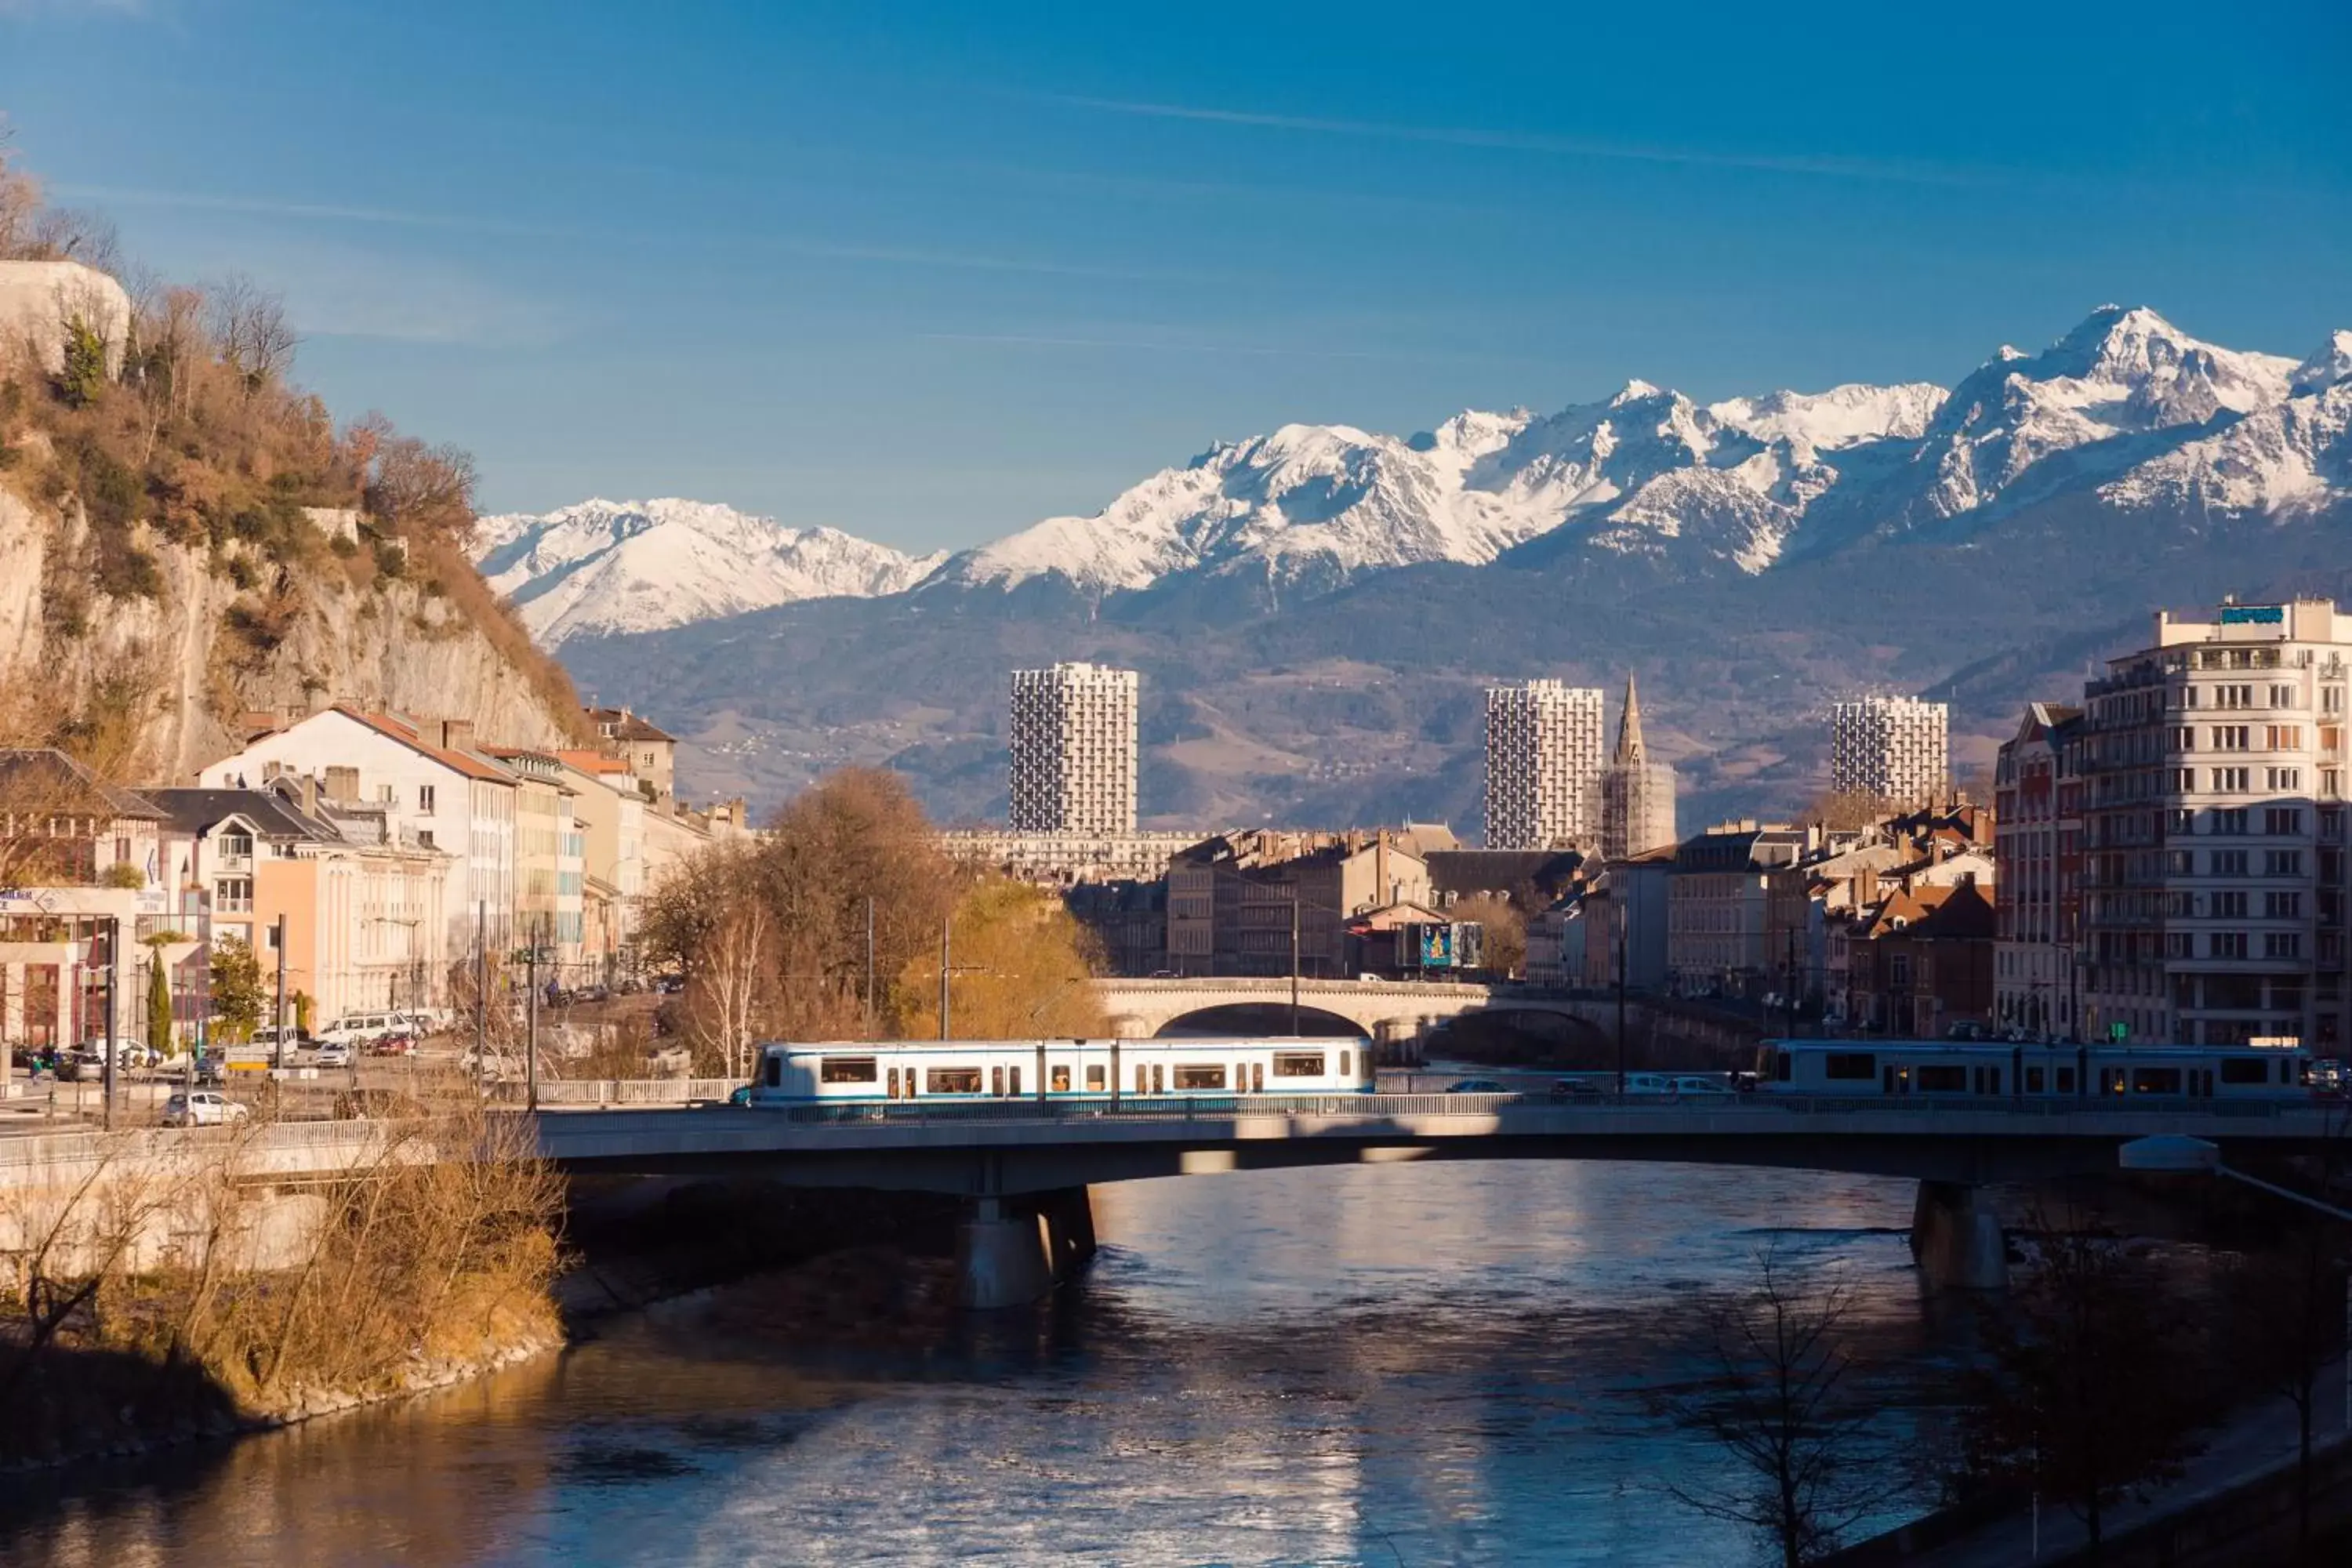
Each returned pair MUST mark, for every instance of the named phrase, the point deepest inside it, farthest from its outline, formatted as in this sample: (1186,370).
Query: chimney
(309,794)
(456,734)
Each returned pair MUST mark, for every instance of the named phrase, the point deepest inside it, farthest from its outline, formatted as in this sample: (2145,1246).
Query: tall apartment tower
(1637,795)
(1543,765)
(1073,741)
(2212,766)
(1897,748)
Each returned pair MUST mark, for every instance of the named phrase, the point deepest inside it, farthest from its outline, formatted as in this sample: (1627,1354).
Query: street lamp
(2172,1153)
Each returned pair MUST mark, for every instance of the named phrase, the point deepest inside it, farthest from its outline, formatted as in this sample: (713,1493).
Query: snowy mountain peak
(603,567)
(2124,407)
(2329,365)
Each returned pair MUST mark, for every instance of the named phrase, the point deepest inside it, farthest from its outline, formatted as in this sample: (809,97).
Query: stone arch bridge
(1390,1012)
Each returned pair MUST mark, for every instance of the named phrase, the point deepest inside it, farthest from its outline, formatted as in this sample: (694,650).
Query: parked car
(128,1054)
(212,1067)
(332,1055)
(265,1038)
(1687,1084)
(1576,1089)
(394,1045)
(75,1067)
(1476,1085)
(1648,1083)
(203,1108)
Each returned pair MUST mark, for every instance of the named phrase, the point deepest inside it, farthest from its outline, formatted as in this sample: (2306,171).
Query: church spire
(1629,727)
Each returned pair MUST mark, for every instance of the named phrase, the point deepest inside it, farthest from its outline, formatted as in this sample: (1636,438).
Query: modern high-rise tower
(1073,743)
(1543,764)
(1637,795)
(1896,748)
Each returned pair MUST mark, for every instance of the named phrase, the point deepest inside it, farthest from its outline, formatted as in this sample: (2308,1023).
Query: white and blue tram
(949,1071)
(1894,1068)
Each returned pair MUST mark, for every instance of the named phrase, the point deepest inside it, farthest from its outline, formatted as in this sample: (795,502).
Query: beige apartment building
(1231,899)
(2212,767)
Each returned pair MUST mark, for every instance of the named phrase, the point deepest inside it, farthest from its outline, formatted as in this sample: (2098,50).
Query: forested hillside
(186,535)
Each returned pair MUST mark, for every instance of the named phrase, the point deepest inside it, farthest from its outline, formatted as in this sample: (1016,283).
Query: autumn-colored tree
(1019,967)
(855,843)
(239,998)
(1503,927)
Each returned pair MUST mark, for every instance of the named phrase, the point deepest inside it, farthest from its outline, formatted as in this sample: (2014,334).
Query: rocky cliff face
(184,662)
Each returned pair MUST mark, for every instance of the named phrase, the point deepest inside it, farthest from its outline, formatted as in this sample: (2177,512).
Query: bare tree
(2093,1389)
(1784,1402)
(249,328)
(731,985)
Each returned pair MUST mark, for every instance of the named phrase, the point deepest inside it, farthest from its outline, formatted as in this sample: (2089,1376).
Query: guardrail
(1221,1107)
(619,1092)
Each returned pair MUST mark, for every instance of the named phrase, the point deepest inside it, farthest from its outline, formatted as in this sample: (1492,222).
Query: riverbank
(152,1360)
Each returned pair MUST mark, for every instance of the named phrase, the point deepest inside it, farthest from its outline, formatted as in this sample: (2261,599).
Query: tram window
(1347,1064)
(894,1083)
(1298,1064)
(1993,1074)
(2155,1080)
(952,1080)
(1887,1078)
(776,1072)
(1257,1078)
(2240,1070)
(1841,1065)
(2033,1080)
(1200,1075)
(1012,1079)
(1095,1079)
(849,1069)
(1943,1080)
(1159,1078)
(1142,1078)
(2065,1080)
(996,1082)
(1058,1080)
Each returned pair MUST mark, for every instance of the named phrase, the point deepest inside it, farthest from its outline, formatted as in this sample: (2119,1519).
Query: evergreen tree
(159,1003)
(237,998)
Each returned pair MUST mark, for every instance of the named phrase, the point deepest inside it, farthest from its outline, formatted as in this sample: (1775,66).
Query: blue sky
(928,272)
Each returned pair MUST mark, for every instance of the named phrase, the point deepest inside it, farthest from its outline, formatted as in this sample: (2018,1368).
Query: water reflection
(1404,1363)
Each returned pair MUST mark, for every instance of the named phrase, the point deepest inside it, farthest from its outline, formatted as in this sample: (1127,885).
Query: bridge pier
(1013,1250)
(1956,1239)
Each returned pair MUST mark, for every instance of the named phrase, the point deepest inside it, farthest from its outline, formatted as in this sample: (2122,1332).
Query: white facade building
(1896,748)
(426,778)
(1073,743)
(1543,765)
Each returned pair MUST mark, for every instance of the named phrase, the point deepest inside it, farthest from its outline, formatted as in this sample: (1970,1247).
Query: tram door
(893,1083)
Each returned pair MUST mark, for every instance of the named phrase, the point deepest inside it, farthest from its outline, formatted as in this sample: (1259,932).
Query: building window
(2232,737)
(2281,944)
(2227,944)
(2231,819)
(2285,737)
(2231,781)
(233,896)
(424,800)
(2282,905)
(2228,862)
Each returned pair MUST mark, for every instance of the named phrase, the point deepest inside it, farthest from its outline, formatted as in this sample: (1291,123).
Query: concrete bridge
(1026,1166)
(1388,1011)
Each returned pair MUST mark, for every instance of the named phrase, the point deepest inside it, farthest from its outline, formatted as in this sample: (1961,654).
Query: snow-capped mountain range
(604,567)
(2126,409)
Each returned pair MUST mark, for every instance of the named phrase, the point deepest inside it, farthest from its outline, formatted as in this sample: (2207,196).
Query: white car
(1685,1085)
(332,1054)
(204,1108)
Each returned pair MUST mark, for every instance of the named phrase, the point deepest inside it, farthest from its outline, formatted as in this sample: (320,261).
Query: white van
(362,1030)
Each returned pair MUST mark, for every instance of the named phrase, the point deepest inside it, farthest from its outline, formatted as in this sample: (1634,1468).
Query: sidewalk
(2260,1442)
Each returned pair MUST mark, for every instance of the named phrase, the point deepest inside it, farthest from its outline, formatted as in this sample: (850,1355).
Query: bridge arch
(1257,1018)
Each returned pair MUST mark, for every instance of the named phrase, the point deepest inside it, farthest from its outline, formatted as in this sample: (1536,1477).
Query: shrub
(83,381)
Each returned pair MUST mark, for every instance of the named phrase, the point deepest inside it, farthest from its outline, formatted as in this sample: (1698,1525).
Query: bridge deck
(1022,1145)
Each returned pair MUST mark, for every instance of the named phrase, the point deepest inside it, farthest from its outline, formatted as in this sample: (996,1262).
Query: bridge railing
(1200,1108)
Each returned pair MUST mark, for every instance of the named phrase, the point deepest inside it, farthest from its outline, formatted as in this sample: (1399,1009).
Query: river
(1411,1365)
